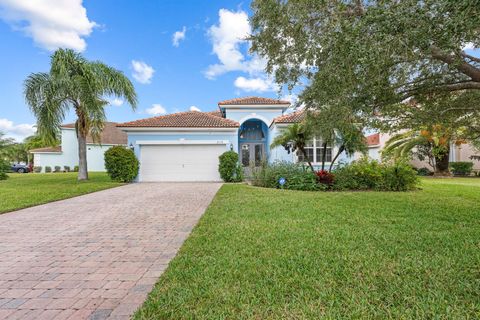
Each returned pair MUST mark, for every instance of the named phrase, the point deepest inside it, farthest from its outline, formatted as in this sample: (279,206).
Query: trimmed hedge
(48,169)
(37,169)
(229,168)
(121,164)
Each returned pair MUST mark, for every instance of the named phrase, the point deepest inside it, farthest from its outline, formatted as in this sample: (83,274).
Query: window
(314,151)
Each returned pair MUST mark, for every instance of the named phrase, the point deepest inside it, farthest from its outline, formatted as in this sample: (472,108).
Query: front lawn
(275,254)
(26,190)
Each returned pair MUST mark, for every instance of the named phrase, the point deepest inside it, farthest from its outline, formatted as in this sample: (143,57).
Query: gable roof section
(110,134)
(188,119)
(293,117)
(252,101)
(46,150)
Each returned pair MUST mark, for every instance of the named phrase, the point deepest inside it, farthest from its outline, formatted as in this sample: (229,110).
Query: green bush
(363,174)
(424,172)
(48,169)
(121,164)
(229,168)
(66,168)
(58,168)
(75,169)
(37,169)
(4,168)
(461,168)
(367,174)
(297,177)
(399,176)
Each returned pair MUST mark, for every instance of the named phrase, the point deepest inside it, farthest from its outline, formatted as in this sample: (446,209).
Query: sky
(180,55)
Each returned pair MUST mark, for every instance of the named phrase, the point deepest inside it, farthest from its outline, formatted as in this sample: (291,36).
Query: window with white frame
(314,151)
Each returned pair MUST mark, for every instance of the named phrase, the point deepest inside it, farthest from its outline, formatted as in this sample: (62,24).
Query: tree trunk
(324,155)
(441,164)
(82,156)
(308,160)
(339,152)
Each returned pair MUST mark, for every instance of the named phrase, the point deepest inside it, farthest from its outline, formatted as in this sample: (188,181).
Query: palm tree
(5,145)
(432,143)
(75,83)
(295,137)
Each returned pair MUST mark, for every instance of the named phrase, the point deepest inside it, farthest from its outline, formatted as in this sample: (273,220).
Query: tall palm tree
(294,137)
(75,83)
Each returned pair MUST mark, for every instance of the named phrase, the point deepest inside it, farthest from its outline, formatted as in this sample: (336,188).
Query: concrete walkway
(95,256)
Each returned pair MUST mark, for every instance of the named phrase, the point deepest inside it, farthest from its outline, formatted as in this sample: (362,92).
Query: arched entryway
(252,142)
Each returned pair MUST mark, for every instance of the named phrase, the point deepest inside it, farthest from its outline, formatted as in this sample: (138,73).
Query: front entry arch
(252,142)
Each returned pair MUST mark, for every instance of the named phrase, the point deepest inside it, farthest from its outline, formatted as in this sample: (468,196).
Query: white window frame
(317,144)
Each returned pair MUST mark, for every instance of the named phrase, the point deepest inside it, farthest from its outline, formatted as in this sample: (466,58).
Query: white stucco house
(185,146)
(67,153)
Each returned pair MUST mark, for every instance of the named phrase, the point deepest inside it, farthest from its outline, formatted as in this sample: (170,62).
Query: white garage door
(180,162)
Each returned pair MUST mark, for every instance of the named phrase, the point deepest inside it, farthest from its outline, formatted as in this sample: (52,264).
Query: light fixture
(131,147)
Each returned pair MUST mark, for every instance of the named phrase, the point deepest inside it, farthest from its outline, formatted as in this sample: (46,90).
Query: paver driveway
(94,256)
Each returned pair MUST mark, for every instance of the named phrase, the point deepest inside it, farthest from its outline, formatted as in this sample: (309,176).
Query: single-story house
(463,152)
(67,153)
(185,146)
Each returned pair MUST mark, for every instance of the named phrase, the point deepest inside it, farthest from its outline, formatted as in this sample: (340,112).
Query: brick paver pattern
(95,256)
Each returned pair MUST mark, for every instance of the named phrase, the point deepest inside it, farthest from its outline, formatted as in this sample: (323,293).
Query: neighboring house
(67,153)
(185,146)
(462,152)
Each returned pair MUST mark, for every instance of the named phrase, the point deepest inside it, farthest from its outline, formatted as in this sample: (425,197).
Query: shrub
(48,169)
(461,168)
(367,174)
(424,172)
(37,169)
(363,174)
(66,168)
(58,168)
(297,177)
(229,168)
(121,164)
(4,168)
(399,176)
(75,169)
(325,177)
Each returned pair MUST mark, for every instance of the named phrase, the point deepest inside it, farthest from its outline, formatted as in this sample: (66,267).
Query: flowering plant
(325,177)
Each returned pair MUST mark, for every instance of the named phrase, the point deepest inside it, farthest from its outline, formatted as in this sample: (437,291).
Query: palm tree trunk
(441,164)
(324,155)
(82,156)
(339,152)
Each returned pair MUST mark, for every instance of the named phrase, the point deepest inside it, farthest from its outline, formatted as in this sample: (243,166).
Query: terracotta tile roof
(373,139)
(252,101)
(188,119)
(46,149)
(110,134)
(293,117)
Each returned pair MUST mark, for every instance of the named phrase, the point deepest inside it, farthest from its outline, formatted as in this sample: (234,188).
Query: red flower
(325,177)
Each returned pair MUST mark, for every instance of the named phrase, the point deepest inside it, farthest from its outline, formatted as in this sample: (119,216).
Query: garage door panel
(180,162)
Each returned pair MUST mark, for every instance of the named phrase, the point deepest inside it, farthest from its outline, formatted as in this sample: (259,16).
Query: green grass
(26,190)
(274,254)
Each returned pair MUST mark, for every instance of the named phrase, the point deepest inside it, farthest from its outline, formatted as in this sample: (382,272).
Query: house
(185,146)
(67,153)
(462,152)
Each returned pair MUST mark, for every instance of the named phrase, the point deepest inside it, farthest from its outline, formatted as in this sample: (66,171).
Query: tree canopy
(369,55)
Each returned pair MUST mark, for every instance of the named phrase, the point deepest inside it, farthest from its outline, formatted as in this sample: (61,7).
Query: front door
(252,154)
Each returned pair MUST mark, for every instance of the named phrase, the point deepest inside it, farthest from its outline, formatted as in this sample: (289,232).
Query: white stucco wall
(69,154)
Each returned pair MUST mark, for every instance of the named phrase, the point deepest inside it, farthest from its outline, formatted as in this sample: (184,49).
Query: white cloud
(178,36)
(259,84)
(292,98)
(228,39)
(156,110)
(195,108)
(16,131)
(52,24)
(116,102)
(142,72)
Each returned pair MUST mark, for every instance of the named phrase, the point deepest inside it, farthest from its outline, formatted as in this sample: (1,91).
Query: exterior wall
(241,115)
(464,152)
(69,154)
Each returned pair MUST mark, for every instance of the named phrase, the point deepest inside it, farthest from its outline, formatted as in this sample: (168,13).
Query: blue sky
(178,54)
